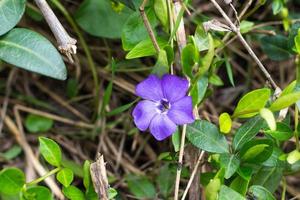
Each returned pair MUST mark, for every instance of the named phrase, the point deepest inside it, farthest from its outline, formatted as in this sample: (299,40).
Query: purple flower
(165,105)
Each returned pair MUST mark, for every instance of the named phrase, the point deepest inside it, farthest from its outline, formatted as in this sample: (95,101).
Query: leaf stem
(40,179)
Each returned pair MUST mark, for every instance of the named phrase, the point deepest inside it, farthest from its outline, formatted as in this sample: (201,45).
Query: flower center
(164,105)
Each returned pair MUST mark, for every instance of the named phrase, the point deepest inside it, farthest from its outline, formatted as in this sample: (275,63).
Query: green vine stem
(40,179)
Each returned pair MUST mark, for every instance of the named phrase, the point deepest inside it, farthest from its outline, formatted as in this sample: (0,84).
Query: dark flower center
(164,105)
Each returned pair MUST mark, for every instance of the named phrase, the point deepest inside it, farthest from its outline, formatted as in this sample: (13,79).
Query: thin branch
(148,26)
(193,175)
(245,44)
(66,44)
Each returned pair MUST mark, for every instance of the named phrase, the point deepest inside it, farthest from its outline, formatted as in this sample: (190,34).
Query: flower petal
(162,127)
(174,87)
(181,111)
(150,89)
(143,113)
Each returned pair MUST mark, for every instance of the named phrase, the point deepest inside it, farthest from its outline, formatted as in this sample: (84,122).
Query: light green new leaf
(11,181)
(206,136)
(161,66)
(36,123)
(256,151)
(267,115)
(65,177)
(39,193)
(226,193)
(31,51)
(293,157)
(73,193)
(285,101)
(50,151)
(282,133)
(161,11)
(11,12)
(225,123)
(246,26)
(212,189)
(250,104)
(261,193)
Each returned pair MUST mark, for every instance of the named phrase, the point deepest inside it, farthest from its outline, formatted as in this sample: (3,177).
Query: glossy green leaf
(99,18)
(207,137)
(140,186)
(11,181)
(212,189)
(31,51)
(65,176)
(165,180)
(161,66)
(86,174)
(230,163)
(260,193)
(50,151)
(247,131)
(268,177)
(36,123)
(145,48)
(267,115)
(201,39)
(112,193)
(206,61)
(276,47)
(275,159)
(11,11)
(282,133)
(288,89)
(38,193)
(161,11)
(226,193)
(74,166)
(73,193)
(176,140)
(134,29)
(199,89)
(256,151)
(250,104)
(240,185)
(285,101)
(225,123)
(277,6)
(189,58)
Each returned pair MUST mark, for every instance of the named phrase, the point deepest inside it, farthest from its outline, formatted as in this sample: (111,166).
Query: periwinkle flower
(165,105)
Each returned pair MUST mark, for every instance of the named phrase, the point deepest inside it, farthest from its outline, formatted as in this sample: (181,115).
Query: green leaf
(288,89)
(86,174)
(65,177)
(201,39)
(282,133)
(230,163)
(74,166)
(256,151)
(72,88)
(267,115)
(161,66)
(275,159)
(11,181)
(189,58)
(145,48)
(11,153)
(121,109)
(206,61)
(277,6)
(246,26)
(38,193)
(229,71)
(176,140)
(165,180)
(140,186)
(293,157)
(215,80)
(134,29)
(285,101)
(206,136)
(73,193)
(240,185)
(250,104)
(98,18)
(226,193)
(268,177)
(112,193)
(31,51)
(36,123)
(276,47)
(212,189)
(50,151)
(247,131)
(198,90)
(260,193)
(161,11)
(128,3)
(225,123)
(10,14)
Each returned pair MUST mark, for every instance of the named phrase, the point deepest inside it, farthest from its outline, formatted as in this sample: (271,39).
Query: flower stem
(40,179)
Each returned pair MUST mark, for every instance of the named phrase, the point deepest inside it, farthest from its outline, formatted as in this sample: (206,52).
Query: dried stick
(148,26)
(192,175)
(245,44)
(66,44)
(99,177)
